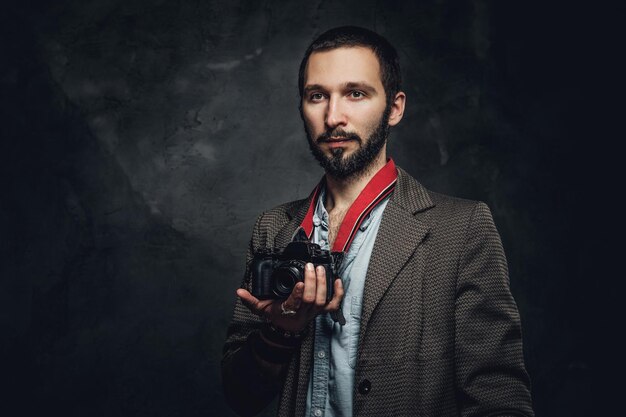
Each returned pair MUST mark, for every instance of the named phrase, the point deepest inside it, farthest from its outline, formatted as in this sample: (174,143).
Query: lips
(338,138)
(338,143)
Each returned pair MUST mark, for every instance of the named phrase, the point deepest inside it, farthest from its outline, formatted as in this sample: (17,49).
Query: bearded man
(421,321)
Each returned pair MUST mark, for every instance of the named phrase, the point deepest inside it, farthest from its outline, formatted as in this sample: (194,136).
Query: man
(430,327)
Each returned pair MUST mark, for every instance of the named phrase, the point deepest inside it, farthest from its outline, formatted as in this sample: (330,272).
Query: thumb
(254,304)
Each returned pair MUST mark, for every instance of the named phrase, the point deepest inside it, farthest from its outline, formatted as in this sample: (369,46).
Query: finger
(247,298)
(335,303)
(254,304)
(295,298)
(320,293)
(309,284)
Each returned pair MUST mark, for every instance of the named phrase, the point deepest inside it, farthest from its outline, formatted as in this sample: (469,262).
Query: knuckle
(309,271)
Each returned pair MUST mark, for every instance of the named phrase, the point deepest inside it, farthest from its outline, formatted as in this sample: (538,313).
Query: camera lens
(285,278)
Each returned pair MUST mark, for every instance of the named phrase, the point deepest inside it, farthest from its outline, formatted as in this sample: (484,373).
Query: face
(345,113)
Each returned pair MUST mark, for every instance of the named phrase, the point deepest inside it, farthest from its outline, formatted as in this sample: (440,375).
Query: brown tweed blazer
(440,332)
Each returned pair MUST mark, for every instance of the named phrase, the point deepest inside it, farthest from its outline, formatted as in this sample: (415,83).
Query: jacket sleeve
(249,382)
(491,379)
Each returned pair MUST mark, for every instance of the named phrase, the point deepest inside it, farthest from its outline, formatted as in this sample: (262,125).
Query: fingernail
(320,268)
(309,266)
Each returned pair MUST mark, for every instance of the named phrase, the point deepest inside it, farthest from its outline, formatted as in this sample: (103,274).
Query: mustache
(338,133)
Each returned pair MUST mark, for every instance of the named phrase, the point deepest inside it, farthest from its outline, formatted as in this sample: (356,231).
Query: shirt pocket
(355,327)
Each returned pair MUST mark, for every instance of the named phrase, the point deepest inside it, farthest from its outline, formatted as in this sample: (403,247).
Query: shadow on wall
(110,310)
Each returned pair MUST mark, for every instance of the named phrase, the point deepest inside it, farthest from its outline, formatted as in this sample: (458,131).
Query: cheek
(368,123)
(364,112)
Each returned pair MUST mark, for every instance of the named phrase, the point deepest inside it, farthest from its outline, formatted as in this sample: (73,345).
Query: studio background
(140,140)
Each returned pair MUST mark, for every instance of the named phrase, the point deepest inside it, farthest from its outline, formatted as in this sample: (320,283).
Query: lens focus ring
(286,276)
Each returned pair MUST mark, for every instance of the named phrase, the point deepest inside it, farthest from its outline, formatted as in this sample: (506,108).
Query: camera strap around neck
(380,186)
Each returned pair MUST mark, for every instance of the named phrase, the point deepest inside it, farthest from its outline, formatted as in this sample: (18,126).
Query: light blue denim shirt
(335,346)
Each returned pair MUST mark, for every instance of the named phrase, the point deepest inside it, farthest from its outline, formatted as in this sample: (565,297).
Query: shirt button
(365,386)
(318,412)
(321,354)
(316,221)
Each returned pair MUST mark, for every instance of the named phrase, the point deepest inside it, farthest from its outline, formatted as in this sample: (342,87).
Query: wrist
(276,335)
(273,345)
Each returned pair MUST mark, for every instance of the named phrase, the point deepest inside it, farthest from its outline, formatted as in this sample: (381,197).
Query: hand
(307,298)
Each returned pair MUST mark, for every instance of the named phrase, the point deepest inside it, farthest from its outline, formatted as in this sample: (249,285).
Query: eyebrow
(361,85)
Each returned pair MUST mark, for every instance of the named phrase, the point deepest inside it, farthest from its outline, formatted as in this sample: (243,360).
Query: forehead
(343,65)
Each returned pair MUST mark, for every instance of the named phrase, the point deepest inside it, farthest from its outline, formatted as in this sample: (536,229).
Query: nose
(335,114)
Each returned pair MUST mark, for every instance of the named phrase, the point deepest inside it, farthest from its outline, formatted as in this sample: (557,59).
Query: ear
(397,108)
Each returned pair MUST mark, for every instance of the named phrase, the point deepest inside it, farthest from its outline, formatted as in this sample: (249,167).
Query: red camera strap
(379,187)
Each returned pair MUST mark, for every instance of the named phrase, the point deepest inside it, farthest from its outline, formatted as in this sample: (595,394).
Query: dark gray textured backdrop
(141,140)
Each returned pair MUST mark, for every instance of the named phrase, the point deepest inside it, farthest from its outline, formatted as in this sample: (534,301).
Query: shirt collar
(320,216)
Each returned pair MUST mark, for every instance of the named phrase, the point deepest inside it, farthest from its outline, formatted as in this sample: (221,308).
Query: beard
(351,166)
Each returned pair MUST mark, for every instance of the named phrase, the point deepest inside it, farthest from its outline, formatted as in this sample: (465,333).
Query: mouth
(337,142)
(336,139)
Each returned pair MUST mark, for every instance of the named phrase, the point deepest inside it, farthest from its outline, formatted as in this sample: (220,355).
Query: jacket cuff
(270,351)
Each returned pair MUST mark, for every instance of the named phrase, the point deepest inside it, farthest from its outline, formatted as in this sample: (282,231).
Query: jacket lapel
(403,227)
(295,214)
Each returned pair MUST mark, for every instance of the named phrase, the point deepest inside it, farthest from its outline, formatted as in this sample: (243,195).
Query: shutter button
(365,386)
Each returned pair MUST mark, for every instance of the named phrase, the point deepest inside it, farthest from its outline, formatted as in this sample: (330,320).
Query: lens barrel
(285,277)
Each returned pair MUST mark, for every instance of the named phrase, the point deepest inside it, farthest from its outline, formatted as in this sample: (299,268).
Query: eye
(316,96)
(357,94)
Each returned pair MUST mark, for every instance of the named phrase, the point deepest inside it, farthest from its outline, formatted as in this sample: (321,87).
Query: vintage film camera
(276,271)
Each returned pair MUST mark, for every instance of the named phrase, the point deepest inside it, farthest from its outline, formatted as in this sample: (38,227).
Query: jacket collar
(409,195)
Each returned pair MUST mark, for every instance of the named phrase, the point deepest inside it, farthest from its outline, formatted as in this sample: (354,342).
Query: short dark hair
(351,36)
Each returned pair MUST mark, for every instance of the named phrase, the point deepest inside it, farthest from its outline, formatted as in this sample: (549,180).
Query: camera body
(276,271)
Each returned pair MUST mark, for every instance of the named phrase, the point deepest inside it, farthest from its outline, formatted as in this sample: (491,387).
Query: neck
(341,193)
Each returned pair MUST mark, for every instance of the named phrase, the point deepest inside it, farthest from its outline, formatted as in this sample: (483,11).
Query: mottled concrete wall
(140,141)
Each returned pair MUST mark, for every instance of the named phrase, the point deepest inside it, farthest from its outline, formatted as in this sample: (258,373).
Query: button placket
(320,366)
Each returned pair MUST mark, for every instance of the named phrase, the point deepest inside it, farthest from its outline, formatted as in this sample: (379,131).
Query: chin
(339,153)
